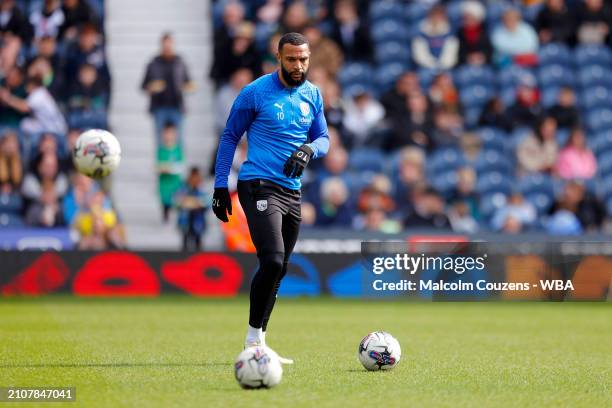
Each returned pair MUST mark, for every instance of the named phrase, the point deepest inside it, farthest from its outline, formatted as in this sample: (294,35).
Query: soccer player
(282,114)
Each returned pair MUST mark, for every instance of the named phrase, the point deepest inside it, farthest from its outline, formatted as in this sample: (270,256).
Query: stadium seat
(494,182)
(555,75)
(355,73)
(383,9)
(598,96)
(386,75)
(454,11)
(389,29)
(593,75)
(604,165)
(536,183)
(392,51)
(609,207)
(601,143)
(513,75)
(476,95)
(366,159)
(493,139)
(445,182)
(549,95)
(490,203)
(10,220)
(443,159)
(541,201)
(426,76)
(471,115)
(555,53)
(11,202)
(415,12)
(493,161)
(592,55)
(562,136)
(473,74)
(599,119)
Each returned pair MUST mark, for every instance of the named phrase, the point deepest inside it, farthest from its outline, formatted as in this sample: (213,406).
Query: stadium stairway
(133,30)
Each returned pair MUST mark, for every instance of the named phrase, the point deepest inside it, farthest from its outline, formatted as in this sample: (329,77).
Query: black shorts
(273,213)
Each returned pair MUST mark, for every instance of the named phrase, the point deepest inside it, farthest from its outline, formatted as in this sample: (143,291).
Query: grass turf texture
(179,351)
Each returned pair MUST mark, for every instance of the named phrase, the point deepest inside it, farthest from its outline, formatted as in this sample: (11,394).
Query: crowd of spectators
(54,83)
(465,115)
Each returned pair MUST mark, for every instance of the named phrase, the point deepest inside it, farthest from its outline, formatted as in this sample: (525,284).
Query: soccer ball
(258,367)
(379,351)
(96,153)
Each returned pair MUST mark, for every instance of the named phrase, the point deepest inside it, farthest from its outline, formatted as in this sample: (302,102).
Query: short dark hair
(293,39)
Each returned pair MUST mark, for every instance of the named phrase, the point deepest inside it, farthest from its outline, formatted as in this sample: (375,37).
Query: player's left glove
(297,162)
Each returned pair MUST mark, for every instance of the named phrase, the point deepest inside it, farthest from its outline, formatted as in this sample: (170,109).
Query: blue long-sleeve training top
(278,120)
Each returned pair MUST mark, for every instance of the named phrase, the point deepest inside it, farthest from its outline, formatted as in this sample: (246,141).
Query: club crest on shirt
(262,205)
(304,108)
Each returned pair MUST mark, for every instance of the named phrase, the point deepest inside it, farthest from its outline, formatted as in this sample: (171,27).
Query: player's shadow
(111,365)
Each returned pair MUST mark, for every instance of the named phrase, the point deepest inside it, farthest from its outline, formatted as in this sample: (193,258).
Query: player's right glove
(297,162)
(222,203)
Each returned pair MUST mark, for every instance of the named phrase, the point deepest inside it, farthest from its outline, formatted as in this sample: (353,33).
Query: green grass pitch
(179,351)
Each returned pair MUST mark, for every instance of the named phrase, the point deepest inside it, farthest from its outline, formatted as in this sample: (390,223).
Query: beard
(290,80)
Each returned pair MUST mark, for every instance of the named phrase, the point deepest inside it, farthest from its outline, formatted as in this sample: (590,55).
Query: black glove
(295,165)
(221,203)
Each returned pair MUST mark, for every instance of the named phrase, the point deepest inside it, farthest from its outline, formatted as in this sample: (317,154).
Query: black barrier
(565,271)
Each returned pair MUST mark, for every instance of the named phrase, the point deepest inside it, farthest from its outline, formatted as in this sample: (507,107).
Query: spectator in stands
(587,208)
(15,31)
(52,80)
(428,210)
(538,151)
(233,16)
(11,166)
(593,22)
(413,127)
(410,173)
(514,40)
(334,109)
(377,220)
(471,146)
(89,49)
(526,110)
(494,115)
(460,218)
(44,189)
(48,20)
(324,53)
(165,80)
(97,224)
(435,47)
(576,160)
(517,215)
(335,207)
(562,221)
(309,214)
(269,63)
(565,111)
(295,18)
(227,93)
(555,23)
(394,100)
(444,94)
(44,114)
(448,127)
(474,44)
(46,47)
(81,188)
(76,14)
(351,32)
(376,196)
(170,163)
(12,83)
(240,54)
(465,192)
(47,146)
(87,100)
(191,204)
(363,113)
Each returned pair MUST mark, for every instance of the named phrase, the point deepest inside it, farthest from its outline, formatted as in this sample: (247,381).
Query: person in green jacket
(170,167)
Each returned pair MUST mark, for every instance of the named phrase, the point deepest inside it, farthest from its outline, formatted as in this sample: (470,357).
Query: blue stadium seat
(386,75)
(473,74)
(494,182)
(599,119)
(493,139)
(592,54)
(454,11)
(476,95)
(609,207)
(536,183)
(601,143)
(392,51)
(388,30)
(495,10)
(598,96)
(541,201)
(493,161)
(366,159)
(490,203)
(550,95)
(555,53)
(593,75)
(508,95)
(445,182)
(555,75)
(444,159)
(355,73)
(562,136)
(415,12)
(426,76)
(604,165)
(382,9)
(471,115)
(606,189)
(11,202)
(513,75)
(10,220)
